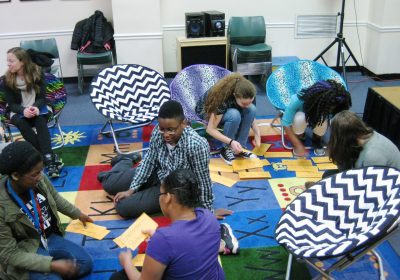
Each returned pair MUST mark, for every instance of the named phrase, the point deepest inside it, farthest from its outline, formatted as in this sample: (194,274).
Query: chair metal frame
(352,250)
(311,67)
(249,68)
(82,59)
(130,87)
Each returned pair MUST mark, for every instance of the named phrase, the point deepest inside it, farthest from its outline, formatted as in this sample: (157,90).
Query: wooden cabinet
(204,50)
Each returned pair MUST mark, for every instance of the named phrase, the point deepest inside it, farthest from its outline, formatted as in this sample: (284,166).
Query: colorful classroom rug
(257,206)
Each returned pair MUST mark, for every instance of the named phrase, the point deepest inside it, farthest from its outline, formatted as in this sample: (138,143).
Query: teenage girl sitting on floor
(313,107)
(188,248)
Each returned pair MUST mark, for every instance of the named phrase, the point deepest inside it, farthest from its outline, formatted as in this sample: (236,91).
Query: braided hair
(182,183)
(322,99)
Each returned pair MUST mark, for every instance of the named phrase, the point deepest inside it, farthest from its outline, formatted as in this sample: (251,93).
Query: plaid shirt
(191,152)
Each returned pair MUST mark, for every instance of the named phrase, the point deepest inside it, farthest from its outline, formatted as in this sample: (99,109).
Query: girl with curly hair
(229,103)
(25,95)
(313,107)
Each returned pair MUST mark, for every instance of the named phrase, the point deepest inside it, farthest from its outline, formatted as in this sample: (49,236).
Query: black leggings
(41,139)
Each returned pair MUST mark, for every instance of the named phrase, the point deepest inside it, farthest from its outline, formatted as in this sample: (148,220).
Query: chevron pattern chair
(130,94)
(191,83)
(290,79)
(56,98)
(344,215)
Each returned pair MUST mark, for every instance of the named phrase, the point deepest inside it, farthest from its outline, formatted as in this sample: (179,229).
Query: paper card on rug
(287,189)
(278,155)
(302,168)
(246,163)
(218,165)
(138,260)
(133,236)
(321,160)
(304,174)
(222,180)
(326,166)
(265,162)
(91,229)
(297,162)
(260,151)
(254,175)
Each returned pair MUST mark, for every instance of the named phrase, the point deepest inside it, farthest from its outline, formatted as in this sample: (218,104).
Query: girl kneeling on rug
(353,144)
(31,245)
(313,107)
(25,94)
(230,103)
(188,248)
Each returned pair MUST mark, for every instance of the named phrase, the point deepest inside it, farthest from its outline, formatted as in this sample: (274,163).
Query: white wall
(146,31)
(30,20)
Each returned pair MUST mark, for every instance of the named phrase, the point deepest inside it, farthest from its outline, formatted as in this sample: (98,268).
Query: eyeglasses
(169,130)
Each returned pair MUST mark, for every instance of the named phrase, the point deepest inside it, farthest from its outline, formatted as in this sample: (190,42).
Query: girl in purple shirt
(188,248)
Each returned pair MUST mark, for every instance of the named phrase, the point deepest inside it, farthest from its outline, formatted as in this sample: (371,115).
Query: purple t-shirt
(189,249)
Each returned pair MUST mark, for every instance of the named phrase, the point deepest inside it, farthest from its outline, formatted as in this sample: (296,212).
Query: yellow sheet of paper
(321,160)
(91,230)
(297,162)
(222,180)
(218,166)
(260,151)
(278,155)
(133,236)
(265,162)
(254,175)
(302,168)
(302,174)
(326,166)
(246,163)
(138,260)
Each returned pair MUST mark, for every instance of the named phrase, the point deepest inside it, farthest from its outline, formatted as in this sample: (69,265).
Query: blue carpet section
(256,213)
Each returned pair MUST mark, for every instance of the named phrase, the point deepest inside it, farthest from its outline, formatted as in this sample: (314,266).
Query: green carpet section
(261,263)
(73,156)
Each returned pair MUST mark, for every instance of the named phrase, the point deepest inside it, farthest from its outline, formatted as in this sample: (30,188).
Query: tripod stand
(340,61)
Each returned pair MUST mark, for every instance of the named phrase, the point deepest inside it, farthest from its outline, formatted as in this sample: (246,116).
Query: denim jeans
(237,123)
(61,248)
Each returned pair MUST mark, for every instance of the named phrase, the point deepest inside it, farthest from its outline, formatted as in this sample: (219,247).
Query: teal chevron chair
(249,53)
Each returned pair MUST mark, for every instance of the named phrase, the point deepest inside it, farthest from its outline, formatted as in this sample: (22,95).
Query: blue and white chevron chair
(130,94)
(344,216)
(191,83)
(290,79)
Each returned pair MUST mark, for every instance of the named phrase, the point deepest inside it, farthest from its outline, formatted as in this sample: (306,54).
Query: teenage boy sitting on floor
(173,145)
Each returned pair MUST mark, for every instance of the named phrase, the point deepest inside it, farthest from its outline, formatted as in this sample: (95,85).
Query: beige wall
(146,31)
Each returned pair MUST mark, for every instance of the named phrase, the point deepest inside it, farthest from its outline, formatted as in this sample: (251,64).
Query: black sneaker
(58,162)
(246,154)
(227,155)
(231,243)
(52,171)
(135,157)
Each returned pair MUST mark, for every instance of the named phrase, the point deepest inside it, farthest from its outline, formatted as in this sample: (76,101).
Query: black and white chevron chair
(344,216)
(128,93)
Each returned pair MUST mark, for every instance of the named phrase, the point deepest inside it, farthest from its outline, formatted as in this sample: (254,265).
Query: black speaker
(195,25)
(215,23)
